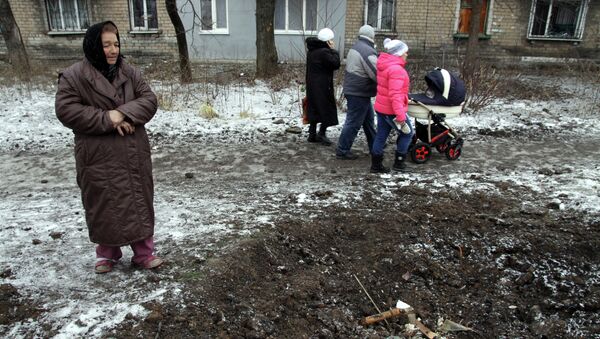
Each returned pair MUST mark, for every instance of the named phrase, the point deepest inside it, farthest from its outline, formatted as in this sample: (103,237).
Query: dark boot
(322,137)
(312,133)
(399,164)
(377,164)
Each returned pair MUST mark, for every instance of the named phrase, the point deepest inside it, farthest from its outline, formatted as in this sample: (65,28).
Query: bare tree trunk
(266,53)
(184,58)
(471,61)
(17,55)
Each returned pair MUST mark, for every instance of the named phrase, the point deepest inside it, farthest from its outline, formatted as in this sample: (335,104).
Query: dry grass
(206,111)
(214,82)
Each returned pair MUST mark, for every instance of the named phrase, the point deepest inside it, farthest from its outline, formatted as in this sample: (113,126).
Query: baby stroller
(443,100)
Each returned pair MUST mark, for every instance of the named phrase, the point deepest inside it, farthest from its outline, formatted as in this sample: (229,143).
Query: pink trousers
(142,250)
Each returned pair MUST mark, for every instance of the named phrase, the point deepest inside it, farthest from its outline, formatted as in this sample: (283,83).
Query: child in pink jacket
(391,104)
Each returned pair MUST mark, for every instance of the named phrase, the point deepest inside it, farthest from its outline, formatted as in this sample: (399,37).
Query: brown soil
(446,255)
(507,265)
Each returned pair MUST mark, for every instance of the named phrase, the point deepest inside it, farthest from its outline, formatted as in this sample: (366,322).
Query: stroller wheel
(420,153)
(442,147)
(453,151)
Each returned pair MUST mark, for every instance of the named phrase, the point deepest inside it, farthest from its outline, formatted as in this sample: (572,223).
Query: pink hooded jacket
(392,86)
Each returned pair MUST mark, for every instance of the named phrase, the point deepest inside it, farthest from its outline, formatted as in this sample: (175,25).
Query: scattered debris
(406,276)
(56,235)
(403,308)
(451,326)
(294,130)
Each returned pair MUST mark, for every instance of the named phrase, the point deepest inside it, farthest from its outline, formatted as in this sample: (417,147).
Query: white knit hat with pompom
(395,47)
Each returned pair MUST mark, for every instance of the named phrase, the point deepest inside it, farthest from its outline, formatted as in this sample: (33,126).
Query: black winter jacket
(321,62)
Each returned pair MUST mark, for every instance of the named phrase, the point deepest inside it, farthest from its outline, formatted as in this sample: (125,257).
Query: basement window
(557,19)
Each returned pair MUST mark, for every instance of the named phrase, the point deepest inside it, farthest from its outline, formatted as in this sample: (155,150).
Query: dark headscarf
(94,51)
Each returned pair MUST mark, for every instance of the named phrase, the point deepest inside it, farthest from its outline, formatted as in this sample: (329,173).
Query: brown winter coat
(114,172)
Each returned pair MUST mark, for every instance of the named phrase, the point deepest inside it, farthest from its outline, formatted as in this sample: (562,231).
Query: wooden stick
(387,314)
(430,334)
(367,293)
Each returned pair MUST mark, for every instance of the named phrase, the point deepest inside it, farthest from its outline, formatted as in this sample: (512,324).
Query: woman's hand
(125,128)
(116,117)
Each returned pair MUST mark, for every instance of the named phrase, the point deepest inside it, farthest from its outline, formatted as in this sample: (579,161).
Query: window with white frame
(143,15)
(380,14)
(68,15)
(557,19)
(213,15)
(295,16)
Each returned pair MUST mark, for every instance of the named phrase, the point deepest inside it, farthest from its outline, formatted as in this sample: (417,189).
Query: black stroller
(443,100)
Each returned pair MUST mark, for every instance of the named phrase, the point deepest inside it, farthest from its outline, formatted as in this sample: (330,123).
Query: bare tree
(184,58)
(471,61)
(17,55)
(266,53)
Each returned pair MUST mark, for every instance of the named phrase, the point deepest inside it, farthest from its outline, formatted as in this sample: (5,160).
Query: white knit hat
(395,47)
(325,34)
(368,31)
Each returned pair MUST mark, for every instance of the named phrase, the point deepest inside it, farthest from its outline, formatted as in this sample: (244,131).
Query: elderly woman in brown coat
(106,103)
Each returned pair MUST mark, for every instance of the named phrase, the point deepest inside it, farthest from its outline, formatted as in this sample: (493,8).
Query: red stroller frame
(436,133)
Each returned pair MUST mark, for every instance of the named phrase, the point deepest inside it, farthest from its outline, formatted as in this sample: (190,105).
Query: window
(296,15)
(464,17)
(143,15)
(380,14)
(213,15)
(68,15)
(557,19)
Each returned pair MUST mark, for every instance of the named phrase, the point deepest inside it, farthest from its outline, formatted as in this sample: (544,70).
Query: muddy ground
(504,260)
(507,265)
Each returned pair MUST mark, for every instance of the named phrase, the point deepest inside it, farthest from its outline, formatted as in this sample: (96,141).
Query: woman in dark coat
(321,61)
(106,103)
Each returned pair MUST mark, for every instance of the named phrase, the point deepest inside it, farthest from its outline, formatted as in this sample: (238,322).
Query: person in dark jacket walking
(321,61)
(106,103)
(360,84)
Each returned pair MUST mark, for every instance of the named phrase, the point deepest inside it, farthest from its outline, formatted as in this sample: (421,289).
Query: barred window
(68,15)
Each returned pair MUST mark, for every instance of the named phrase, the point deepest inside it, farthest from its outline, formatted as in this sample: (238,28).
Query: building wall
(428,28)
(239,43)
(33,23)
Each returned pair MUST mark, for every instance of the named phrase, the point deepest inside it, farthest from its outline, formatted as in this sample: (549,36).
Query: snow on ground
(39,190)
